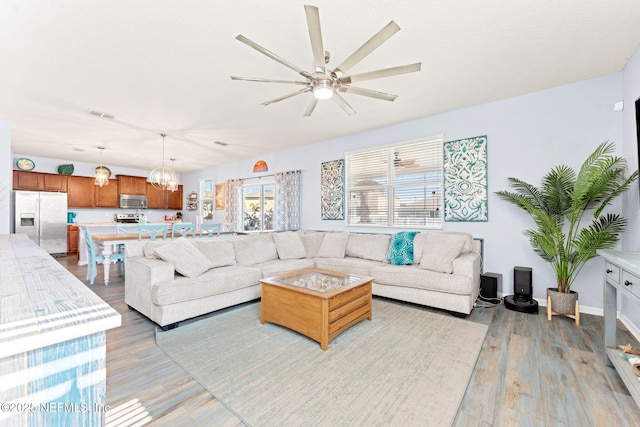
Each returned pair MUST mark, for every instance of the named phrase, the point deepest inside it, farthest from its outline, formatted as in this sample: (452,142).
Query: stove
(128,218)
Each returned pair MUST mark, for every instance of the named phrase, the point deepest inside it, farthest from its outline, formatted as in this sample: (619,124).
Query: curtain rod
(266,176)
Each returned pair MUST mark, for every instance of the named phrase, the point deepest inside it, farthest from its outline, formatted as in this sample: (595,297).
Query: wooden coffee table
(320,304)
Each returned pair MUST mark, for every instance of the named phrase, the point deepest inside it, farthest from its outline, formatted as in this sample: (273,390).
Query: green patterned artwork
(465,180)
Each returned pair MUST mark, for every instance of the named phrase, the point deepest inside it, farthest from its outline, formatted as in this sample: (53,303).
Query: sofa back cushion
(368,246)
(421,238)
(219,252)
(289,245)
(186,258)
(439,251)
(255,249)
(311,241)
(334,245)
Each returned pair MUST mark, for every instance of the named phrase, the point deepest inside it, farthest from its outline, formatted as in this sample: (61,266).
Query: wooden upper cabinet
(175,199)
(107,196)
(132,185)
(164,199)
(80,192)
(155,197)
(38,181)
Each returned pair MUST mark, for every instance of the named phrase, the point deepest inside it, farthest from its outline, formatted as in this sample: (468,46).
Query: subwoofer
(489,284)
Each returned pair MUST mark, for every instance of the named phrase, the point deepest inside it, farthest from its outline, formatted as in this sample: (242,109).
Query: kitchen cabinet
(72,239)
(164,199)
(37,181)
(107,196)
(80,192)
(132,185)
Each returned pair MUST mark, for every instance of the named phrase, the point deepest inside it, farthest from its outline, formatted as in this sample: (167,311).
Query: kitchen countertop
(30,316)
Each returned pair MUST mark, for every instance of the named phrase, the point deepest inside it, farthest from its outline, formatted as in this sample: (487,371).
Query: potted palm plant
(563,235)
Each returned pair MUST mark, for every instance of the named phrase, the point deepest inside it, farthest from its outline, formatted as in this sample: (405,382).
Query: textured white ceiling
(161,66)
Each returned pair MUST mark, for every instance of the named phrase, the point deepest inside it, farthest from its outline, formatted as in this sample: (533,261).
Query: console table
(621,274)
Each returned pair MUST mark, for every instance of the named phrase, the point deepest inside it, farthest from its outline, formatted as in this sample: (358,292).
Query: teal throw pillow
(401,248)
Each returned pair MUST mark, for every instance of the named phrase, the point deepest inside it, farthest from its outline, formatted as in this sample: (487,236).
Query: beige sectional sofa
(173,280)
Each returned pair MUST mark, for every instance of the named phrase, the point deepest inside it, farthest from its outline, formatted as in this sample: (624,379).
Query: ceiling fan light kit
(323,83)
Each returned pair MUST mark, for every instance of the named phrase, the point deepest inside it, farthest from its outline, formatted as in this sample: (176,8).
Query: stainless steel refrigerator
(43,217)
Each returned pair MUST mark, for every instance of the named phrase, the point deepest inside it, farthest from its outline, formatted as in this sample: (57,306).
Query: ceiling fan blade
(315,34)
(271,55)
(368,92)
(344,104)
(386,72)
(311,106)
(281,98)
(369,46)
(258,79)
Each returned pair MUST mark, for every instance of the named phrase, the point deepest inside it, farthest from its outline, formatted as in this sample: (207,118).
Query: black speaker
(489,284)
(522,283)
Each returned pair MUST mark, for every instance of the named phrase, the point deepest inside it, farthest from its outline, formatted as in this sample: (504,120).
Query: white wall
(527,136)
(5,177)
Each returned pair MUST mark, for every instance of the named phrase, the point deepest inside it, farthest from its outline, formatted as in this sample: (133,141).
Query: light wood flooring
(530,372)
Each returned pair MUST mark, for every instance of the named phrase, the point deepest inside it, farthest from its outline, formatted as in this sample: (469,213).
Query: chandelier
(163,178)
(102,174)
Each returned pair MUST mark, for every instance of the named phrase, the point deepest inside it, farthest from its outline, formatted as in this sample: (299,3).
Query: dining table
(108,242)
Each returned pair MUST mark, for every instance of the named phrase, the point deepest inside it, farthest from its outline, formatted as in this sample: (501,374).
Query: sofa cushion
(421,238)
(219,252)
(149,248)
(187,259)
(333,245)
(440,250)
(279,266)
(213,282)
(413,276)
(368,246)
(255,249)
(401,248)
(357,266)
(311,241)
(289,245)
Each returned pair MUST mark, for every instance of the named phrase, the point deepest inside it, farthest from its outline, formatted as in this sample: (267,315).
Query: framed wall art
(465,180)
(332,189)
(219,196)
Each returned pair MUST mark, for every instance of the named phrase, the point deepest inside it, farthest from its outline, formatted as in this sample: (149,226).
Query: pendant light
(173,185)
(162,177)
(102,174)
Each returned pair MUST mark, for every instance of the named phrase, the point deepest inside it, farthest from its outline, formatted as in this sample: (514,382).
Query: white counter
(52,338)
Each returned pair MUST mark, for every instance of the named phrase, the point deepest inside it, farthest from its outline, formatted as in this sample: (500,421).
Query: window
(395,185)
(258,207)
(207,196)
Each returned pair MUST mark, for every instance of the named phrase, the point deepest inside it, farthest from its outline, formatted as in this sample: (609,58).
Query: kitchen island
(52,341)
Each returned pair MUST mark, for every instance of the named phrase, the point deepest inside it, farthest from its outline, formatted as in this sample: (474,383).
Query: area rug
(407,366)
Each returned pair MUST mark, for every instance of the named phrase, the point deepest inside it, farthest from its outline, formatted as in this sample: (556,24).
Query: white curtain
(287,200)
(231,205)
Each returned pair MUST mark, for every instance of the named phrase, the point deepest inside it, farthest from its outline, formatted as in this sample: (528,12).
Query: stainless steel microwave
(132,201)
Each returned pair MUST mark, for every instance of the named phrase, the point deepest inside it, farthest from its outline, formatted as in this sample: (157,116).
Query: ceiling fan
(324,83)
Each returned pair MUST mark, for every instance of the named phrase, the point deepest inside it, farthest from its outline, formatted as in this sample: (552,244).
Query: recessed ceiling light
(101,114)
(223,144)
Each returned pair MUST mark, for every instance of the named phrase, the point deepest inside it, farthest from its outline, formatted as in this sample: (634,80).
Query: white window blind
(397,185)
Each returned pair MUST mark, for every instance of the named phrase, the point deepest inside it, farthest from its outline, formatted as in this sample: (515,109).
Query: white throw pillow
(368,246)
(289,245)
(149,248)
(186,258)
(440,250)
(311,241)
(333,245)
(219,252)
